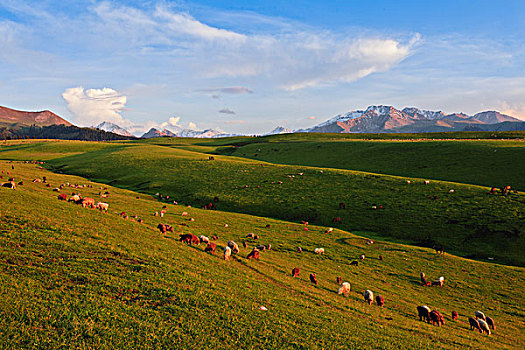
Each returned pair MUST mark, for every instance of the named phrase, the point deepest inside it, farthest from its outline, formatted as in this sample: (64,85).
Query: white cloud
(192,126)
(93,106)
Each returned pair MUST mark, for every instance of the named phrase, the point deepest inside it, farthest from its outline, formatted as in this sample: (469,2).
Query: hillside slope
(10,116)
(469,221)
(78,278)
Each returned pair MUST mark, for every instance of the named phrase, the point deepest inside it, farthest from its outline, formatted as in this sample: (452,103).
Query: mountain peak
(114,128)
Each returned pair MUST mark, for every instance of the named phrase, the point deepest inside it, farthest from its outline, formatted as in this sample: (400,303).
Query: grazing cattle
(313,279)
(254,254)
(204,239)
(215,238)
(474,324)
(319,250)
(337,220)
(227,253)
(245,245)
(62,197)
(380,301)
(436,317)
(102,206)
(354,263)
(75,198)
(37,180)
(140,221)
(427,182)
(295,272)
(234,247)
(423,278)
(268,226)
(21,183)
(369,296)
(216,199)
(484,326)
(261,247)
(304,222)
(88,202)
(56,189)
(439,282)
(339,280)
(210,247)
(480,315)
(423,313)
(491,323)
(184,213)
(329,230)
(211,158)
(439,249)
(342,206)
(192,219)
(299,250)
(380,257)
(250,235)
(256,237)
(362,256)
(493,190)
(225,225)
(344,288)
(162,228)
(454,315)
(189,238)
(10,185)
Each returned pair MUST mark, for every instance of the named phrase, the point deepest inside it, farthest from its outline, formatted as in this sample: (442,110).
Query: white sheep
(227,253)
(484,326)
(234,247)
(319,250)
(369,296)
(204,239)
(184,213)
(102,206)
(480,314)
(344,289)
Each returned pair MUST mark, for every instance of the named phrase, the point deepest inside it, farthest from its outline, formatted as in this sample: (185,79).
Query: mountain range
(179,132)
(114,128)
(14,118)
(381,119)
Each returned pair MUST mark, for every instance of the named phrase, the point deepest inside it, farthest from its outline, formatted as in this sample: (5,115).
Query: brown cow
(254,254)
(88,202)
(380,300)
(454,315)
(424,313)
(474,324)
(339,280)
(62,197)
(313,279)
(490,322)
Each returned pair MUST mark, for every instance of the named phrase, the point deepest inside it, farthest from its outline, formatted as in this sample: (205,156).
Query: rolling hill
(72,277)
(13,118)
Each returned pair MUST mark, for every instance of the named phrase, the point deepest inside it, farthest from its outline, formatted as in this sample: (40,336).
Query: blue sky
(248,66)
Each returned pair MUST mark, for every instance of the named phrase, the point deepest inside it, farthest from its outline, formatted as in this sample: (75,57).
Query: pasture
(77,277)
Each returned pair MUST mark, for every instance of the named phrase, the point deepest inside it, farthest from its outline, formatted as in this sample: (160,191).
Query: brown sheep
(436,317)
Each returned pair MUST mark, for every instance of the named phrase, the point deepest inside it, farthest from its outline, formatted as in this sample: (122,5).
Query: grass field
(468,222)
(72,277)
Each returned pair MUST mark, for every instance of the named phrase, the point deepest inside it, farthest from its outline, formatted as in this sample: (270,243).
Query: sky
(249,66)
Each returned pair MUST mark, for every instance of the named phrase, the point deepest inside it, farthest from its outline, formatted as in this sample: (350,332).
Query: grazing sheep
(295,272)
(62,197)
(437,317)
(484,326)
(88,202)
(369,296)
(75,198)
(102,206)
(474,324)
(227,253)
(299,250)
(362,257)
(313,279)
(480,315)
(491,323)
(204,239)
(225,225)
(339,280)
(210,247)
(192,219)
(380,301)
(454,315)
(250,235)
(184,213)
(423,313)
(344,288)
(427,182)
(439,282)
(319,250)
(234,247)
(254,254)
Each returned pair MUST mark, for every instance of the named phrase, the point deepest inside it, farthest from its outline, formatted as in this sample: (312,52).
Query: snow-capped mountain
(114,128)
(208,133)
(280,130)
(389,119)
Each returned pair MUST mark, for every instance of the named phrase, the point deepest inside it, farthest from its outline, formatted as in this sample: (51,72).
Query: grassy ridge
(74,277)
(469,222)
(487,162)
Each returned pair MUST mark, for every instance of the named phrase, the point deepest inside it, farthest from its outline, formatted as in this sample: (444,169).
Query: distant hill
(387,119)
(13,117)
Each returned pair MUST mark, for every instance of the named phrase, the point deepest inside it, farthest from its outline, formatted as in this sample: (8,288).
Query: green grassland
(468,222)
(480,162)
(71,277)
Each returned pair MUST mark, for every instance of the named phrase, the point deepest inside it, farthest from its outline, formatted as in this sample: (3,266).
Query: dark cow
(423,313)
(295,272)
(62,197)
(455,315)
(188,238)
(245,245)
(337,220)
(313,279)
(342,206)
(339,280)
(356,263)
(474,324)
(490,322)
(380,300)
(439,249)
